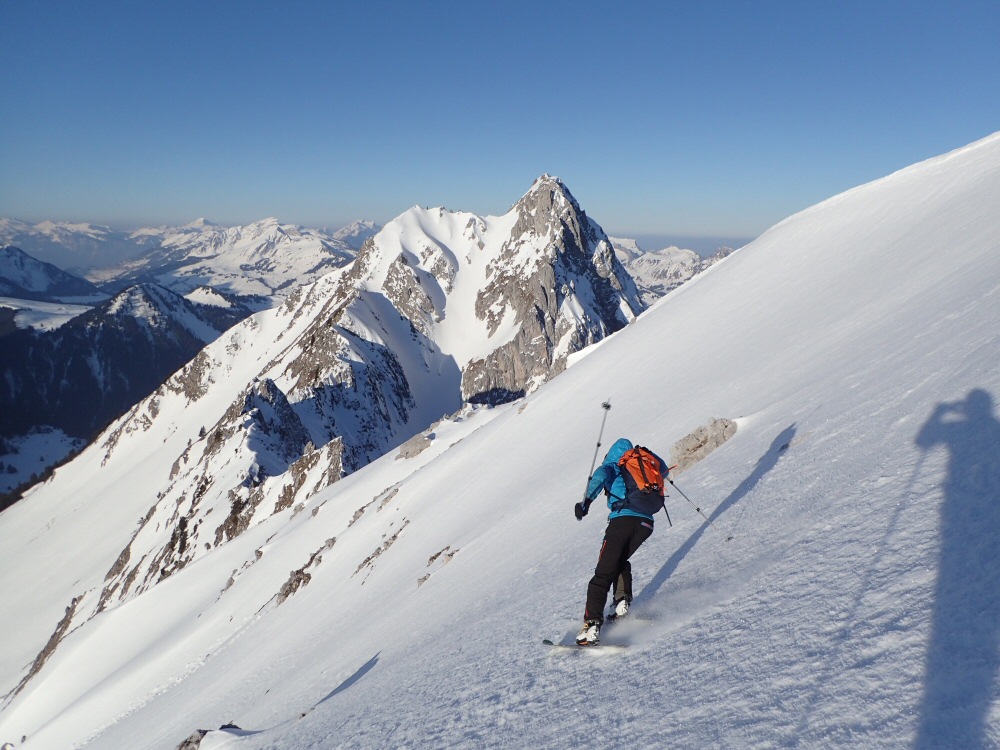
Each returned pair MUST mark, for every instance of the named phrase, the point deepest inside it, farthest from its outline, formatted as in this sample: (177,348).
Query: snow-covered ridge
(440,308)
(28,278)
(154,307)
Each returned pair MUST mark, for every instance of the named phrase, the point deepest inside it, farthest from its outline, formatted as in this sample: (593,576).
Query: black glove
(580,509)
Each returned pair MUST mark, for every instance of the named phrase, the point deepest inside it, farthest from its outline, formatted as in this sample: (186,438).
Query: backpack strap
(642,469)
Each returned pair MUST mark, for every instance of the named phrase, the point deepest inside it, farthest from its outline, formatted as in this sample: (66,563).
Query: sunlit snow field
(855,344)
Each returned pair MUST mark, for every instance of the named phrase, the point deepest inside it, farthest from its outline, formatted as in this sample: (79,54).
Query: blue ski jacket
(608,478)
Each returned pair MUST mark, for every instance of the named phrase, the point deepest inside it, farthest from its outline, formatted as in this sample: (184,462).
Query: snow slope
(43,316)
(856,605)
(26,277)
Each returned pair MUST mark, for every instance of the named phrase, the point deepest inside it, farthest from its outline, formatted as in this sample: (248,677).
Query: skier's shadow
(766,462)
(354,678)
(963,655)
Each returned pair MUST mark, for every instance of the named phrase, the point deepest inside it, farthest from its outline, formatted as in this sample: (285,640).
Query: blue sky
(664,119)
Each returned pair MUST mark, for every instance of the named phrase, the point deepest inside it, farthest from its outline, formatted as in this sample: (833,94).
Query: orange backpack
(643,468)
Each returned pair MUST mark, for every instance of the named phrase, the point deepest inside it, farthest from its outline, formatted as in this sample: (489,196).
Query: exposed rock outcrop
(695,446)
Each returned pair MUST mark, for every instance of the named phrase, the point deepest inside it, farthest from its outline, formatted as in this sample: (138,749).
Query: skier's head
(618,449)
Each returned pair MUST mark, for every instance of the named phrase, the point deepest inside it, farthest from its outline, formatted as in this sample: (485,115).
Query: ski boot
(590,635)
(618,610)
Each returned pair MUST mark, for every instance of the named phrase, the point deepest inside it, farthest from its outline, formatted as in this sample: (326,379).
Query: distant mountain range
(264,258)
(434,310)
(73,247)
(658,272)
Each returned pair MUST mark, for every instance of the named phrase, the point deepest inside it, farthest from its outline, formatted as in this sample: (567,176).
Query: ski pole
(607,407)
(728,538)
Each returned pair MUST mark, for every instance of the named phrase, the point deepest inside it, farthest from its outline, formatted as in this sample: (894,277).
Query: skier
(630,523)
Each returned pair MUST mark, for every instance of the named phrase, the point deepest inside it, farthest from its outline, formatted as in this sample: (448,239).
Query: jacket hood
(620,447)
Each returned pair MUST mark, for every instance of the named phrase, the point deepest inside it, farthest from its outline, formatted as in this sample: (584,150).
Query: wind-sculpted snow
(854,605)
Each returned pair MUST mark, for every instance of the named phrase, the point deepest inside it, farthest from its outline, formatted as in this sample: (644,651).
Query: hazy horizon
(713,119)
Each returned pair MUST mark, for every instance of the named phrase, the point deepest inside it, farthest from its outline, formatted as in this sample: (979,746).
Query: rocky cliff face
(557,275)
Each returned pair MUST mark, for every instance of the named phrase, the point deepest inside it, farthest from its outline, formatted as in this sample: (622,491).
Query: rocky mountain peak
(144,301)
(548,201)
(557,275)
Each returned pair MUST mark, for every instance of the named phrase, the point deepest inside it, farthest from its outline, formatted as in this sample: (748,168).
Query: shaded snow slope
(25,277)
(856,606)
(25,456)
(81,373)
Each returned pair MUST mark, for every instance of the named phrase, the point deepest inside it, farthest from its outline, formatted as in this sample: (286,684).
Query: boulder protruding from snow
(414,446)
(692,448)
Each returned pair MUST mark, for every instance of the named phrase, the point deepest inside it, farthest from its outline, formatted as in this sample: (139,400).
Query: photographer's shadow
(963,655)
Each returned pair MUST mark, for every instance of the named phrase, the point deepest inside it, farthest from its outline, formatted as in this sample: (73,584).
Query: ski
(606,647)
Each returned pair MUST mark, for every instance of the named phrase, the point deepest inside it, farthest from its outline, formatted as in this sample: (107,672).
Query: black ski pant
(621,539)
